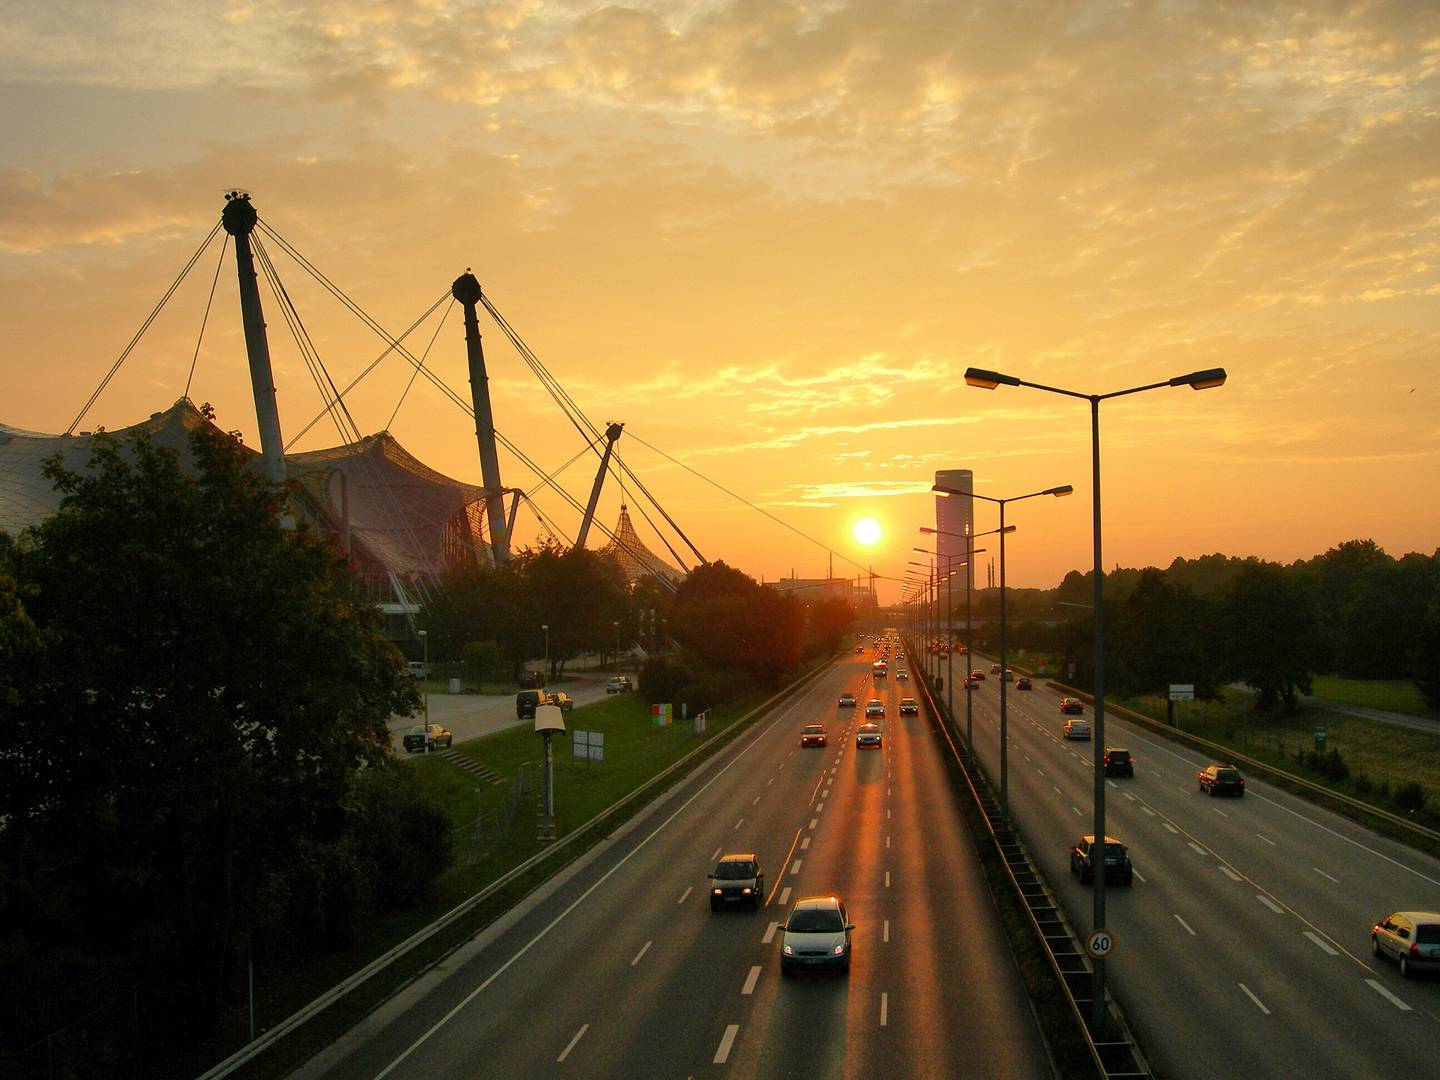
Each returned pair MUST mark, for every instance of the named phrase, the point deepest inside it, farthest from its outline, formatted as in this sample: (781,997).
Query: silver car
(817,935)
(1411,937)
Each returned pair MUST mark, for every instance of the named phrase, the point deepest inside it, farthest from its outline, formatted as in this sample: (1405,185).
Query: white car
(874,707)
(817,935)
(1077,729)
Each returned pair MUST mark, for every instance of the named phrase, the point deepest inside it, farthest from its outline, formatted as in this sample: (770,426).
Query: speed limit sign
(1099,944)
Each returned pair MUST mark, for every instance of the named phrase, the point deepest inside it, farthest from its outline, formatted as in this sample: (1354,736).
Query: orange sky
(769,238)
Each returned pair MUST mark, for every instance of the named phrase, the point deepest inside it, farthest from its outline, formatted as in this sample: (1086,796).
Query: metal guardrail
(295,1021)
(1114,1053)
(1228,754)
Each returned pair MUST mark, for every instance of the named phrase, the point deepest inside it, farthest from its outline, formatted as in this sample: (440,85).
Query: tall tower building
(955,515)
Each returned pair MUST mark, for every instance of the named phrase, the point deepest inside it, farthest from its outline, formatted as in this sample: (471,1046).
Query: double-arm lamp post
(1065,489)
(932,585)
(970,552)
(922,582)
(1196,380)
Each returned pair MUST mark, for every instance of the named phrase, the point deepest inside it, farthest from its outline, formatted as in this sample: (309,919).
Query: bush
(1410,797)
(1329,764)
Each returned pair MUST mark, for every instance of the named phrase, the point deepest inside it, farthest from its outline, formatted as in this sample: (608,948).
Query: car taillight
(1414,950)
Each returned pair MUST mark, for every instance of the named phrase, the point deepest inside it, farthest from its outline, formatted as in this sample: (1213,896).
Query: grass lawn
(1392,695)
(1381,757)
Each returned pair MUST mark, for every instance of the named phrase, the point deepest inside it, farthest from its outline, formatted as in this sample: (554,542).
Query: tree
(1163,633)
(1425,656)
(207,694)
(1271,636)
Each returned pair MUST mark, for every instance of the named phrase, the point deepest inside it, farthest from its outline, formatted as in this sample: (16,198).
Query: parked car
(620,684)
(1116,857)
(1118,761)
(817,935)
(1023,683)
(867,735)
(562,699)
(1411,937)
(874,707)
(909,707)
(1072,705)
(847,701)
(812,735)
(427,737)
(738,879)
(1077,729)
(1221,780)
(418,670)
(531,680)
(526,702)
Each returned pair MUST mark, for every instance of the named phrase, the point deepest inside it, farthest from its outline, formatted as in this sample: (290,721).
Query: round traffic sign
(1099,944)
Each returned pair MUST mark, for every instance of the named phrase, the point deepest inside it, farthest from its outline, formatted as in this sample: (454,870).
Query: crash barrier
(293,1023)
(1225,753)
(1113,1049)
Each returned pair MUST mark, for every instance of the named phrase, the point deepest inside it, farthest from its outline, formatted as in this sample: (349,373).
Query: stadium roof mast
(466,289)
(612,433)
(239,218)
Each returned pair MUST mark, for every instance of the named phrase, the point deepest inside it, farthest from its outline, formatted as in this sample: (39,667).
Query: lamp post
(425,676)
(1196,380)
(1065,489)
(929,582)
(949,614)
(971,552)
(546,628)
(616,624)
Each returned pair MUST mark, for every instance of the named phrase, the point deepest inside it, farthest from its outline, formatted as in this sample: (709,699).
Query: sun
(867,531)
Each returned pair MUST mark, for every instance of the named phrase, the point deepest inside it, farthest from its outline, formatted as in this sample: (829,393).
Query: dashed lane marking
(1388,996)
(1258,1003)
(1186,925)
(770,933)
(643,950)
(751,980)
(571,1044)
(1321,943)
(726,1042)
(689,889)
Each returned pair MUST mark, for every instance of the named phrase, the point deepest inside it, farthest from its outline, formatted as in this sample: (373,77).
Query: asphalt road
(621,970)
(1243,947)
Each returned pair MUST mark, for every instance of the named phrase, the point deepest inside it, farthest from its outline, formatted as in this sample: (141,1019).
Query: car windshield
(734,871)
(1114,851)
(815,921)
(1227,774)
(813,729)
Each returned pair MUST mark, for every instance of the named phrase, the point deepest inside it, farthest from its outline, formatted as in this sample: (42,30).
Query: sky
(770,238)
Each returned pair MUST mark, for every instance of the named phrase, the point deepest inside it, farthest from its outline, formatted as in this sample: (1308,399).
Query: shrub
(1410,797)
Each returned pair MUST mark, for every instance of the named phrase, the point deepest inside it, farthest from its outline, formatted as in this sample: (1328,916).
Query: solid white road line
(1326,876)
(1388,996)
(688,890)
(785,896)
(726,1042)
(1258,1003)
(751,980)
(770,933)
(1186,925)
(1276,908)
(1321,943)
(1231,874)
(643,950)
(795,867)
(571,1045)
(884,1009)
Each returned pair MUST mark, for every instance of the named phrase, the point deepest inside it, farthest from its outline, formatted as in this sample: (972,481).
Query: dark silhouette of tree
(1271,637)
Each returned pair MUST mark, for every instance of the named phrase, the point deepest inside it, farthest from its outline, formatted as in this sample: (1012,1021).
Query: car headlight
(717,892)
(839,950)
(746,891)
(787,950)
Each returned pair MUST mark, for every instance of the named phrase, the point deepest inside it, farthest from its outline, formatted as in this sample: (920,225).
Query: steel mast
(466,289)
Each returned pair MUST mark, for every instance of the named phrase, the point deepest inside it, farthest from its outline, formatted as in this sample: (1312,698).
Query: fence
(491,828)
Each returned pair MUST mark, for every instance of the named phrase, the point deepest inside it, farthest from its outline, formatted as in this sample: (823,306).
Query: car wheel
(714,905)
(1374,945)
(1086,879)
(1212,792)
(1404,966)
(1129,879)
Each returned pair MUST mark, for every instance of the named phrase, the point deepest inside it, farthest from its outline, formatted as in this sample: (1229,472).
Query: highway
(1243,948)
(619,968)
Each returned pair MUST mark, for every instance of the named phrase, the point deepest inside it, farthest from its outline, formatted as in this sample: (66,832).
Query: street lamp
(546,628)
(1196,380)
(425,677)
(927,621)
(972,551)
(1065,489)
(950,614)
(616,624)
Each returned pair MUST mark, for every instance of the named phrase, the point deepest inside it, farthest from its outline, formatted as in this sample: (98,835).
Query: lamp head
(988,380)
(1059,492)
(1201,380)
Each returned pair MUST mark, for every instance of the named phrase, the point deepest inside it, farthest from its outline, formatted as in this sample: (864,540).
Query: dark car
(428,737)
(526,701)
(812,735)
(1411,937)
(909,707)
(1072,705)
(1118,762)
(1221,780)
(978,674)
(1023,683)
(1117,861)
(737,879)
(847,701)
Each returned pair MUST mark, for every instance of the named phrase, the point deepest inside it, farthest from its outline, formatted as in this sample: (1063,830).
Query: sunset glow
(769,239)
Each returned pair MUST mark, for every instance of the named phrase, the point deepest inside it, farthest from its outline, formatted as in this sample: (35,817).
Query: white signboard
(589,745)
(1182,691)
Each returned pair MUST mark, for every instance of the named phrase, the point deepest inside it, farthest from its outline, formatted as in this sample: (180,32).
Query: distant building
(817,588)
(955,515)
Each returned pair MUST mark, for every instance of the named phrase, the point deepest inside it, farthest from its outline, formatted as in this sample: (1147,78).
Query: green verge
(1381,757)
(635,751)
(1391,695)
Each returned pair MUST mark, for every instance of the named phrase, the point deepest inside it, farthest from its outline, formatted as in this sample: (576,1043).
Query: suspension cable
(205,319)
